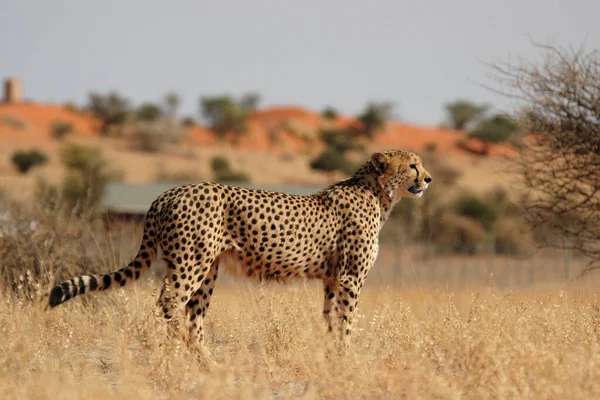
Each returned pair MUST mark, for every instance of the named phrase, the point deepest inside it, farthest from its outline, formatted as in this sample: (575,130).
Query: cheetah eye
(413,166)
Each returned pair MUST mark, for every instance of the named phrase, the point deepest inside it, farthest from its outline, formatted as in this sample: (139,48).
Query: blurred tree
(148,112)
(225,115)
(249,102)
(88,174)
(463,112)
(81,158)
(496,129)
(111,108)
(219,164)
(223,172)
(71,106)
(188,121)
(222,114)
(172,102)
(341,140)
(156,136)
(332,159)
(329,113)
(560,165)
(60,129)
(472,206)
(374,117)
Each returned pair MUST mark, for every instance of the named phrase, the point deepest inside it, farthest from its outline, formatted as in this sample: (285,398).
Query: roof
(128,198)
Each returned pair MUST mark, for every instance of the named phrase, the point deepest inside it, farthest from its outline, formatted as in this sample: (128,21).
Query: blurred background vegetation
(510,219)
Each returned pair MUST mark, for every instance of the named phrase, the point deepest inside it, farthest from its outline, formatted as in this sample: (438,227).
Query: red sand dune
(417,138)
(38,119)
(395,135)
(199,135)
(282,113)
(289,129)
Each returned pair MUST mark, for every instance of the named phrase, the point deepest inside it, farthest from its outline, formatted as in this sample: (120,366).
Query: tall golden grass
(436,328)
(270,341)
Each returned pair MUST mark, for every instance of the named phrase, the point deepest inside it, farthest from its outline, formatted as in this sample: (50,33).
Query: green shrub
(154,137)
(172,101)
(458,234)
(341,140)
(24,160)
(219,164)
(87,176)
(223,172)
(374,117)
(148,112)
(111,108)
(469,205)
(329,113)
(188,121)
(61,129)
(228,115)
(473,224)
(496,129)
(463,113)
(81,158)
(71,106)
(231,176)
(333,160)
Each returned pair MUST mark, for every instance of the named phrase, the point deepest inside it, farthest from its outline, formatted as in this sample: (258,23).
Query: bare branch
(559,104)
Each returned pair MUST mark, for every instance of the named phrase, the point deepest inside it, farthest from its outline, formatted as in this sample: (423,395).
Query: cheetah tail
(89,283)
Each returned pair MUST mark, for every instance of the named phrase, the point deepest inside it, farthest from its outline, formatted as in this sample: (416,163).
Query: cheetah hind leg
(167,306)
(196,309)
(171,307)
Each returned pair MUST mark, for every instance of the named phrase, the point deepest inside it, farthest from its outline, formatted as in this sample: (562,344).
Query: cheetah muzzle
(331,235)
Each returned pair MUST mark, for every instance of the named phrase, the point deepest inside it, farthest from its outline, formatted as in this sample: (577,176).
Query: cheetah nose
(427,180)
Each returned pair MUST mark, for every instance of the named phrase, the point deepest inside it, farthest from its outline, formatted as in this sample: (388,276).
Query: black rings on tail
(89,283)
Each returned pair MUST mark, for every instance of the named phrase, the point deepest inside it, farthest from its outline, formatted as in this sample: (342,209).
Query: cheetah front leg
(348,291)
(328,303)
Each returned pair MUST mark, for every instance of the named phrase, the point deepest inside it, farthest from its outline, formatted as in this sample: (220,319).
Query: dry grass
(454,330)
(473,343)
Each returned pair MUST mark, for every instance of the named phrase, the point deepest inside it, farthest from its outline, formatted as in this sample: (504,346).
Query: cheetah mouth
(416,190)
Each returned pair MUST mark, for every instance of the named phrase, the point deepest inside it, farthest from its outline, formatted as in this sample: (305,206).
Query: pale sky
(344,53)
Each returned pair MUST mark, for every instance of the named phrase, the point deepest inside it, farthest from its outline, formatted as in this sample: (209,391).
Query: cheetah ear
(379,162)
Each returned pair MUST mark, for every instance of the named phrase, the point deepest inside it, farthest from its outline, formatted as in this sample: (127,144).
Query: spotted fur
(331,235)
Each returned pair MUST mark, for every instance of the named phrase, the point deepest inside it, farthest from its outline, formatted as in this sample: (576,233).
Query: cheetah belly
(282,266)
(277,253)
(279,259)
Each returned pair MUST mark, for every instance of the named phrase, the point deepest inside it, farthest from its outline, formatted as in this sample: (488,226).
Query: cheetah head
(400,174)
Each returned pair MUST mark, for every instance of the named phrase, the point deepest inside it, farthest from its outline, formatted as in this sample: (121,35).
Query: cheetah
(331,235)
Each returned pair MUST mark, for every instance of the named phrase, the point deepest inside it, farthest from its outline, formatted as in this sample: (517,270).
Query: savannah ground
(473,342)
(448,327)
(467,327)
